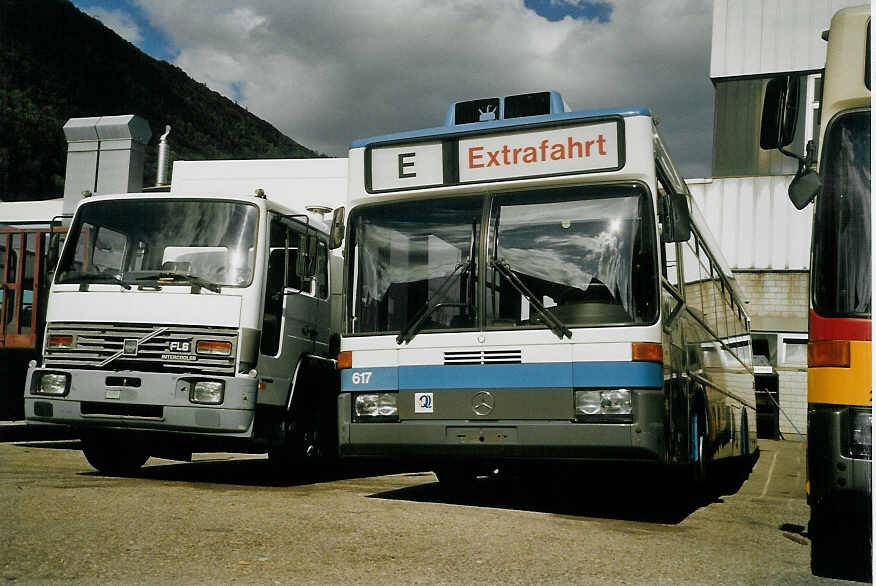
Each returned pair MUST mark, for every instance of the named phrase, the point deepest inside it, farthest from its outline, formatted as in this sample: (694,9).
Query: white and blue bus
(530,284)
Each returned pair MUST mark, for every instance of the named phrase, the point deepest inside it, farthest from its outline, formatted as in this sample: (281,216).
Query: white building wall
(754,221)
(756,37)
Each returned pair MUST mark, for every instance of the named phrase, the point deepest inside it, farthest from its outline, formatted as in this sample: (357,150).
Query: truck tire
(301,453)
(114,454)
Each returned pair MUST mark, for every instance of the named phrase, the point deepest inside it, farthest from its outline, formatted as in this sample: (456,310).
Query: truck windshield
(841,263)
(132,241)
(585,255)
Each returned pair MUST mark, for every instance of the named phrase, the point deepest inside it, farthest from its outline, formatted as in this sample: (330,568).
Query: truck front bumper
(142,401)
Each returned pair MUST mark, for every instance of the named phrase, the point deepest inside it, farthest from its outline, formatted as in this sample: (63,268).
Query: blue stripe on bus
(508,376)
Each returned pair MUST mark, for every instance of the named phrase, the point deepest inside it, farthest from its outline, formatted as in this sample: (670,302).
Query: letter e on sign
(407,167)
(406,160)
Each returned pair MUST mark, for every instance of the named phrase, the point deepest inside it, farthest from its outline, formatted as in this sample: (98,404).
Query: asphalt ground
(227,518)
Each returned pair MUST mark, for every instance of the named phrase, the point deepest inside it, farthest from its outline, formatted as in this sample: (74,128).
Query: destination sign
(585,148)
(562,150)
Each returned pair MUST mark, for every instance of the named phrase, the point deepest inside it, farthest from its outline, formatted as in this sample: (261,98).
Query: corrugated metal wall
(754,222)
(753,37)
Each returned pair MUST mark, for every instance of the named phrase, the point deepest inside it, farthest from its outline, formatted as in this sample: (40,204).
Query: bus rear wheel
(699,468)
(114,454)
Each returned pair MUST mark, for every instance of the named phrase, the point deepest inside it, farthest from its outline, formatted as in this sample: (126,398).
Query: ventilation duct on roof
(104,155)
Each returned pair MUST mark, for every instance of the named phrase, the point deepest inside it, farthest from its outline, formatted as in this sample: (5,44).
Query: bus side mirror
(804,187)
(336,236)
(778,119)
(675,217)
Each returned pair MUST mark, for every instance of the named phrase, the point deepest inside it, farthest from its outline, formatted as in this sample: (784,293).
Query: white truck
(197,319)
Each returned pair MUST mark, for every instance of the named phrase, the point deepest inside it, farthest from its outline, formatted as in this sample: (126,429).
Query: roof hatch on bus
(505,108)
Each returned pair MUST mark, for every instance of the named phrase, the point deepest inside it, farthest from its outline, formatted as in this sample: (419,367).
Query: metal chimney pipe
(163,158)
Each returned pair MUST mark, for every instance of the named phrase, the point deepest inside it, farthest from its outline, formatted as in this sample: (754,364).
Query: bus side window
(692,279)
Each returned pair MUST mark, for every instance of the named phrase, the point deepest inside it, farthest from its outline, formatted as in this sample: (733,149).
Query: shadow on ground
(610,492)
(615,492)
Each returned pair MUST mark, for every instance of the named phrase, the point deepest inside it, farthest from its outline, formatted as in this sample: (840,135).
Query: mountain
(58,63)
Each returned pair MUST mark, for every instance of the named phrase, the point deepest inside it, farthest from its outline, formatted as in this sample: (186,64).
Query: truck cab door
(290,316)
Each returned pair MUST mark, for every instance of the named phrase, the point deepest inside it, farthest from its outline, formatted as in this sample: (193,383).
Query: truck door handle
(309,332)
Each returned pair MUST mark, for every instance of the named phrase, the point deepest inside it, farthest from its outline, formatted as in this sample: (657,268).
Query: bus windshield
(174,242)
(841,263)
(587,254)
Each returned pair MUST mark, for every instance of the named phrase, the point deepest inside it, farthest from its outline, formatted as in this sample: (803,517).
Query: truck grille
(149,348)
(482,357)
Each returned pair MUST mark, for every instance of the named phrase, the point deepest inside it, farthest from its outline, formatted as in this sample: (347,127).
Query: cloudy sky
(328,72)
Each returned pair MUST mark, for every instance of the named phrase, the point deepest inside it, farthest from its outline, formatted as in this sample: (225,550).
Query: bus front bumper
(502,440)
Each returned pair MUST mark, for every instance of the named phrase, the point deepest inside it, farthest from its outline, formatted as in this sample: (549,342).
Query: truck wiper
(98,277)
(189,278)
(556,326)
(413,326)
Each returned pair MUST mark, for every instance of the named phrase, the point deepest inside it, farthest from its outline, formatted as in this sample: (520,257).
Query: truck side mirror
(675,217)
(336,235)
(305,265)
(778,119)
(53,252)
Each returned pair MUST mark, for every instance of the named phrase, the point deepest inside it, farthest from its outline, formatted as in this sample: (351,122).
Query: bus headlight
(861,434)
(605,402)
(207,392)
(375,407)
(52,383)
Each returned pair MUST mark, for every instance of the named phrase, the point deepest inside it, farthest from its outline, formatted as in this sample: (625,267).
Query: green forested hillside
(58,63)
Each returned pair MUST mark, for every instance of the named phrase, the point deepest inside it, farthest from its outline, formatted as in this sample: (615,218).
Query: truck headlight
(861,434)
(51,383)
(207,392)
(610,403)
(375,407)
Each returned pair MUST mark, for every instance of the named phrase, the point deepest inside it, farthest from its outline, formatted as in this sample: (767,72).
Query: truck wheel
(300,454)
(114,455)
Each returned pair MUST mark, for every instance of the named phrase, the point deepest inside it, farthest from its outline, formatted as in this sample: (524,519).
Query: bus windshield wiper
(85,278)
(413,326)
(186,277)
(556,326)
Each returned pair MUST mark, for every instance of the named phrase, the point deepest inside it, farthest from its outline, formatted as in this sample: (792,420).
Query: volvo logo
(130,347)
(482,403)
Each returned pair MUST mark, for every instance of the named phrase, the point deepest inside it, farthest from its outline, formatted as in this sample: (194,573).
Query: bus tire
(114,455)
(839,545)
(743,450)
(699,468)
(822,537)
